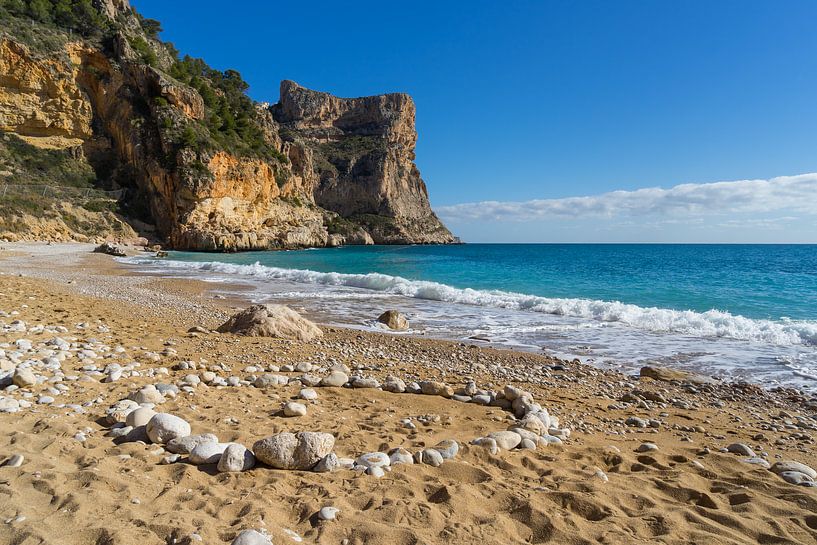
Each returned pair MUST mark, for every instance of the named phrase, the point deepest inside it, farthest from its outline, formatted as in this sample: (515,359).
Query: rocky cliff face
(318,170)
(364,160)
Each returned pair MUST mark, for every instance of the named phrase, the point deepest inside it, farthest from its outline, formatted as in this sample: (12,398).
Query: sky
(559,121)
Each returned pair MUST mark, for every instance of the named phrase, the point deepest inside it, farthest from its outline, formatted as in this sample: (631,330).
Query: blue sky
(529,101)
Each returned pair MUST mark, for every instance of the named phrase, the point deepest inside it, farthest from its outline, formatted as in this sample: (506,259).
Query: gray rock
(527,444)
(328,513)
(647,447)
(756,460)
(251,537)
(164,427)
(335,379)
(24,377)
(488,443)
(207,453)
(16,460)
(447,448)
(394,320)
(294,409)
(742,449)
(365,382)
(327,464)
(294,451)
(374,459)
(267,380)
(375,471)
(394,385)
(512,392)
(435,388)
(271,321)
(636,422)
(795,477)
(791,465)
(308,393)
(506,440)
(432,458)
(185,445)
(400,456)
(139,417)
(236,458)
(148,394)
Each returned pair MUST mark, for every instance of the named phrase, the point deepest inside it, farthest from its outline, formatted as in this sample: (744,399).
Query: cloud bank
(794,193)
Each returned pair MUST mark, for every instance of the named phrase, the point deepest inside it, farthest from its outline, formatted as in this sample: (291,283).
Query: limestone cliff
(364,159)
(196,158)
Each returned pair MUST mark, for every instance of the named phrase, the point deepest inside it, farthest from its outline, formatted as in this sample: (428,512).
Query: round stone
(139,417)
(236,458)
(294,409)
(164,427)
(374,459)
(447,448)
(251,537)
(207,453)
(400,456)
(335,379)
(308,393)
(432,458)
(328,513)
(506,440)
(185,445)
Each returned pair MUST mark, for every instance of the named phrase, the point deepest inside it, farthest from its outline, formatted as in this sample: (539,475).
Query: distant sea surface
(735,311)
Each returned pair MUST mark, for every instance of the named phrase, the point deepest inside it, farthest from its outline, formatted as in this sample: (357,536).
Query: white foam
(713,323)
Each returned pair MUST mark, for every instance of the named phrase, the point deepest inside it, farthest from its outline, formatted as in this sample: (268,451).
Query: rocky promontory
(182,154)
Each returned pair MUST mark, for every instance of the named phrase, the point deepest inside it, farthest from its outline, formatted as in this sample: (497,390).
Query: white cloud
(794,193)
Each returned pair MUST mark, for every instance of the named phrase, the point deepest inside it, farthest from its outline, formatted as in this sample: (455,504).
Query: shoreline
(202,298)
(595,487)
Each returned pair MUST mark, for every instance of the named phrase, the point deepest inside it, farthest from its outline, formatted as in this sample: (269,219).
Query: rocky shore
(128,418)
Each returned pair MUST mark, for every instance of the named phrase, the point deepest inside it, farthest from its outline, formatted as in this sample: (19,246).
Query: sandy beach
(637,460)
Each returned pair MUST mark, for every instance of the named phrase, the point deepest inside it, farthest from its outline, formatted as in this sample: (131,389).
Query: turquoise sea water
(744,311)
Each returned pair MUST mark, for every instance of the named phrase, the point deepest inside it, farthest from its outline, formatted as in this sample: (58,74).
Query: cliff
(190,155)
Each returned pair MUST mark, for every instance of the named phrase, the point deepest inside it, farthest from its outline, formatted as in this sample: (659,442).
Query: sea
(738,312)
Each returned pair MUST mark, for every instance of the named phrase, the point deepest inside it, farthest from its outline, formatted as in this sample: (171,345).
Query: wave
(713,323)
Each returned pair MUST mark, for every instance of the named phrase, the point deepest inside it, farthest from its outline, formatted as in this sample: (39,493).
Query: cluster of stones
(28,366)
(534,427)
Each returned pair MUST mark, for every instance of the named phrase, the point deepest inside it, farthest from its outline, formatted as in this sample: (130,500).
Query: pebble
(790,465)
(327,464)
(742,449)
(488,443)
(164,427)
(400,456)
(647,447)
(15,460)
(376,471)
(374,459)
(24,377)
(251,537)
(236,458)
(308,393)
(328,513)
(432,458)
(139,417)
(506,440)
(447,448)
(207,453)
(432,387)
(292,408)
(185,445)
(335,379)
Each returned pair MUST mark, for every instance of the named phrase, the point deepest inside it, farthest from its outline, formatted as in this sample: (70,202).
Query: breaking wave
(713,323)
